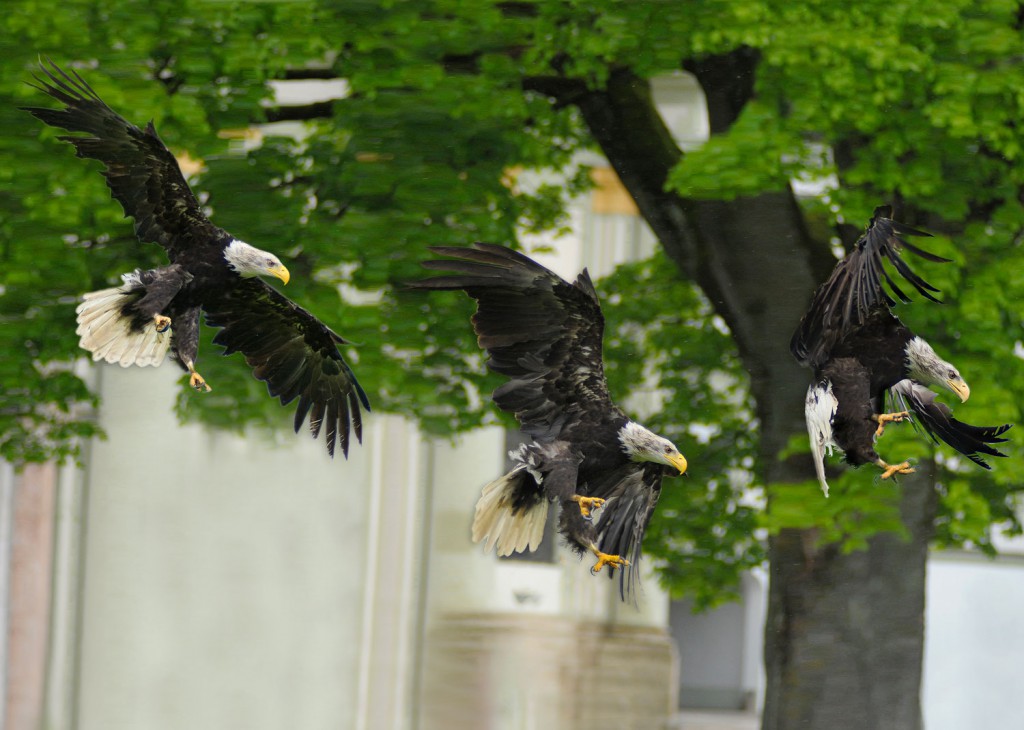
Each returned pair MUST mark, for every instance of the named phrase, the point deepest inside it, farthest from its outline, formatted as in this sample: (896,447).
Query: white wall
(224,576)
(974,648)
(252,582)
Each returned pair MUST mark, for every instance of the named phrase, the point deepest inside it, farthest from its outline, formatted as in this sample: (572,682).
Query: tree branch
(756,262)
(728,83)
(740,252)
(304,113)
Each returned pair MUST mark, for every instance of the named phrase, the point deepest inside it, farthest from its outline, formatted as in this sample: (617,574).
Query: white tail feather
(106,333)
(819,410)
(495,521)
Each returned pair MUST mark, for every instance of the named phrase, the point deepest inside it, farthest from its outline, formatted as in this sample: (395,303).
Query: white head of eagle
(641,444)
(250,261)
(926,367)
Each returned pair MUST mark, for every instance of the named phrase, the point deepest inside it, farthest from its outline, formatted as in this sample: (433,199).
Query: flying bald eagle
(210,270)
(859,350)
(544,334)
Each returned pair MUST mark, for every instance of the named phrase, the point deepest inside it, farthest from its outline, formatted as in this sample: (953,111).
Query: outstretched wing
(937,419)
(540,331)
(855,288)
(624,517)
(294,353)
(141,172)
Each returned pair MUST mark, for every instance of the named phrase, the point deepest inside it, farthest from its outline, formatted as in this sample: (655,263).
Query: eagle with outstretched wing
(209,271)
(545,335)
(859,350)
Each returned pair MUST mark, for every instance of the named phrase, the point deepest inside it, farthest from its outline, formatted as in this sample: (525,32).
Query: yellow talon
(162,323)
(196,380)
(884,418)
(603,559)
(889,470)
(587,504)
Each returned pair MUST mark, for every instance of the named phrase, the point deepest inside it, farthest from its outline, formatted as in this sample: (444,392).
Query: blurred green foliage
(688,383)
(918,102)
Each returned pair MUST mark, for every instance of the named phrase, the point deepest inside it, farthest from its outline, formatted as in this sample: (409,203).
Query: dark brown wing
(623,520)
(541,332)
(855,288)
(294,353)
(937,419)
(141,172)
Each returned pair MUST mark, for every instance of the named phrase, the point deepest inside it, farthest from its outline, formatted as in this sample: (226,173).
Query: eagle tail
(505,519)
(819,410)
(108,332)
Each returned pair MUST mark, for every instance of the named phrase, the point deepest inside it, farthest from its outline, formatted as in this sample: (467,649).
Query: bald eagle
(544,334)
(859,350)
(210,271)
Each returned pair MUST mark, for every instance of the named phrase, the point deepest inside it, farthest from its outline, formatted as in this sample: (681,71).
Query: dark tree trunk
(844,638)
(844,634)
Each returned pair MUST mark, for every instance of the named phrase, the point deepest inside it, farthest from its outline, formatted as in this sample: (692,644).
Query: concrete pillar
(28,595)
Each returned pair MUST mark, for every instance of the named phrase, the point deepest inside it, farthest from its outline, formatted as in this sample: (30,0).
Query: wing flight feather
(855,288)
(142,174)
(937,420)
(623,519)
(540,331)
(295,354)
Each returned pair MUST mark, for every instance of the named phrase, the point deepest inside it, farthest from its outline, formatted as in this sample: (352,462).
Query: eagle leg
(603,559)
(196,380)
(889,469)
(162,323)
(884,418)
(587,504)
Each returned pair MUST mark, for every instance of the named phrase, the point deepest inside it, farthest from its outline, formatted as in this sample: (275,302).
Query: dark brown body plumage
(862,368)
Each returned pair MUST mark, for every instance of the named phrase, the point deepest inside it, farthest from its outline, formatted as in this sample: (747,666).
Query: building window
(720,650)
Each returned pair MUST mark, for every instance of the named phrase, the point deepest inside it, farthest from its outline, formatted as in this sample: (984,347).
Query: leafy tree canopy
(915,103)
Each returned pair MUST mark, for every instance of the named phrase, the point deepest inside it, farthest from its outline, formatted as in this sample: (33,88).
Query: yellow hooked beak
(280,272)
(678,461)
(960,388)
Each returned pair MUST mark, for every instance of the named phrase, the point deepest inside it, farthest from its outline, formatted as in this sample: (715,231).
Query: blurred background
(170,559)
